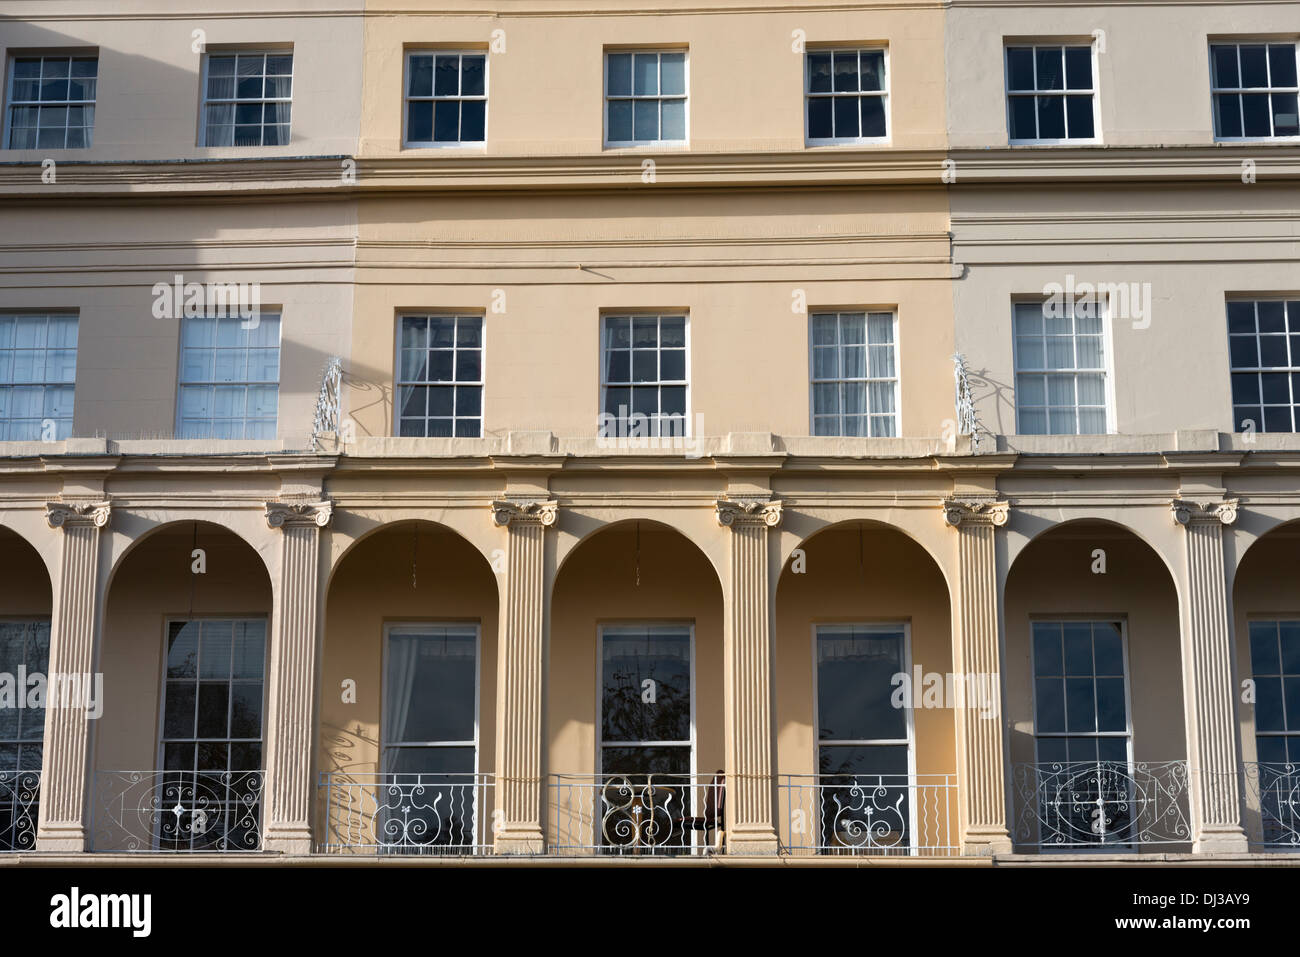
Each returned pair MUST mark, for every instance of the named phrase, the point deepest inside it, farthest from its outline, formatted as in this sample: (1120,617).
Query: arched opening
(25,610)
(1266,627)
(180,750)
(864,696)
(408,696)
(1091,613)
(635,698)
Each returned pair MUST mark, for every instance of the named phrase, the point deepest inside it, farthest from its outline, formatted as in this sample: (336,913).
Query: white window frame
(665,624)
(9,103)
(458,144)
(204,101)
(399,382)
(1217,90)
(161,746)
(1107,370)
(1292,729)
(1094,91)
(883,95)
(603,383)
(45,382)
(181,383)
(417,627)
(883,627)
(867,380)
(1127,733)
(606,142)
(1290,371)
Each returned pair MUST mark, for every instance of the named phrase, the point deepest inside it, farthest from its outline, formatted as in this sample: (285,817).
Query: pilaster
(521,665)
(748,660)
(1208,693)
(981,764)
(73,633)
(294,661)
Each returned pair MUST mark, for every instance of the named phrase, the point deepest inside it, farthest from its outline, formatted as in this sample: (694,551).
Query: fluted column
(73,630)
(976,663)
(1209,705)
(294,657)
(521,664)
(747,665)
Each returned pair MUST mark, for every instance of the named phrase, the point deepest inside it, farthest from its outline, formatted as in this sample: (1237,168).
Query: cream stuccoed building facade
(482,432)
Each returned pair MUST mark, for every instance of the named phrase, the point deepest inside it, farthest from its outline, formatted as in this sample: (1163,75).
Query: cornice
(320,177)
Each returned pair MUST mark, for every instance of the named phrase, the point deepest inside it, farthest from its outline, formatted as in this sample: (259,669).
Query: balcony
(1101,805)
(426,813)
(19,798)
(636,815)
(895,815)
(1271,794)
(176,811)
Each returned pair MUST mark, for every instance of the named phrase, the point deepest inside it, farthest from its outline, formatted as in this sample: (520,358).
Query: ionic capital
(1187,512)
(286,514)
(749,511)
(972,511)
(525,512)
(71,514)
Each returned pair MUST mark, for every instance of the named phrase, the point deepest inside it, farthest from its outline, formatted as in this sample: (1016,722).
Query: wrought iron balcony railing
(1101,804)
(177,811)
(1271,795)
(377,813)
(19,797)
(891,814)
(636,814)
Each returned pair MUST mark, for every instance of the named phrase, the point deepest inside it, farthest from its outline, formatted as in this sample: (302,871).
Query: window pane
(846,117)
(1078,117)
(430,684)
(618,80)
(820,123)
(646,687)
(645,120)
(645,74)
(472,75)
(1023,122)
(620,121)
(1224,59)
(1020,68)
(873,69)
(1048,63)
(1078,68)
(1282,64)
(873,116)
(1227,114)
(673,74)
(819,72)
(1051,117)
(674,120)
(420,71)
(855,668)
(1254,66)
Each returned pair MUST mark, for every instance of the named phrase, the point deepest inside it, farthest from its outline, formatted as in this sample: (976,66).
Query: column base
(753,842)
(516,841)
(284,839)
(61,838)
(1221,840)
(985,842)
